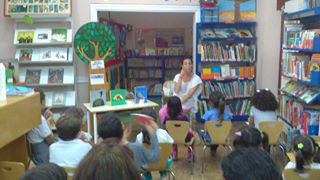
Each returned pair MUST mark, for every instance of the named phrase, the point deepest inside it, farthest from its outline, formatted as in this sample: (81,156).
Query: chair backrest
(11,170)
(168,88)
(70,171)
(165,151)
(292,174)
(316,139)
(273,129)
(218,130)
(178,130)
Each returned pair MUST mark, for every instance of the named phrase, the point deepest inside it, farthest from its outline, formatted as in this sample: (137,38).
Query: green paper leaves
(93,37)
(28,20)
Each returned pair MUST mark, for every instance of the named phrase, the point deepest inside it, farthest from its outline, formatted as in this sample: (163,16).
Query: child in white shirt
(41,137)
(69,150)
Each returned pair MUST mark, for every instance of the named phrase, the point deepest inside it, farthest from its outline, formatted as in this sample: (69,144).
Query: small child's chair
(178,130)
(70,171)
(11,170)
(218,131)
(273,130)
(165,152)
(292,174)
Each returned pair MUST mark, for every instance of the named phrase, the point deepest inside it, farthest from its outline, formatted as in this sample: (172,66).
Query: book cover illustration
(141,94)
(244,33)
(97,64)
(55,75)
(58,99)
(59,35)
(98,97)
(25,54)
(19,91)
(207,33)
(43,36)
(59,54)
(117,97)
(25,37)
(45,54)
(33,76)
(96,79)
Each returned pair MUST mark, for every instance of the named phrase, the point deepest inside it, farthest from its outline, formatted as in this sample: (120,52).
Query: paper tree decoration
(95,41)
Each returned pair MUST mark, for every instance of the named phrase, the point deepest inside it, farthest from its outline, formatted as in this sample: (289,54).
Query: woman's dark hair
(174,107)
(217,100)
(48,171)
(264,100)
(305,148)
(68,127)
(152,113)
(190,59)
(107,162)
(249,164)
(74,111)
(110,126)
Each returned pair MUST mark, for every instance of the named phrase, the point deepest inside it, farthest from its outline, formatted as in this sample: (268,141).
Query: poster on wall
(237,10)
(38,7)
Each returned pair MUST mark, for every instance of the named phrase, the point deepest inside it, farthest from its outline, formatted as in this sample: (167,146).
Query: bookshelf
(153,71)
(47,60)
(226,58)
(299,74)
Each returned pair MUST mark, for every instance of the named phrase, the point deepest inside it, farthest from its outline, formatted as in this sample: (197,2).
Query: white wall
(7,49)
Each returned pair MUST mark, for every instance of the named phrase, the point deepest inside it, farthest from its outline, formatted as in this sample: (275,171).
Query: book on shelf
(225,33)
(25,54)
(216,51)
(18,90)
(244,33)
(141,94)
(59,35)
(225,72)
(96,79)
(207,33)
(42,36)
(24,37)
(117,97)
(301,92)
(33,76)
(98,97)
(301,39)
(55,75)
(60,98)
(44,54)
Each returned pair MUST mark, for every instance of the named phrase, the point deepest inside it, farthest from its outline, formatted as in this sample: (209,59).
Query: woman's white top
(261,116)
(185,87)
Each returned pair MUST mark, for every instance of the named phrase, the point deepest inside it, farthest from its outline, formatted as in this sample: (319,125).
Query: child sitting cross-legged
(69,149)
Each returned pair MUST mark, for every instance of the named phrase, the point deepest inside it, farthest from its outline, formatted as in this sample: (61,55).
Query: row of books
(172,63)
(136,62)
(225,71)
(156,51)
(289,62)
(226,33)
(151,73)
(46,75)
(298,5)
(66,98)
(216,51)
(301,39)
(294,113)
(44,54)
(39,36)
(301,92)
(237,108)
(230,89)
(172,73)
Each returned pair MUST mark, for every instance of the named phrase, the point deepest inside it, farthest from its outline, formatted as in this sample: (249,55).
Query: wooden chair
(316,139)
(165,152)
(167,85)
(11,170)
(70,171)
(218,131)
(311,174)
(273,129)
(178,130)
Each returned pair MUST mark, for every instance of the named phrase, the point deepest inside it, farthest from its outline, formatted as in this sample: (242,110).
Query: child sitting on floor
(175,113)
(69,149)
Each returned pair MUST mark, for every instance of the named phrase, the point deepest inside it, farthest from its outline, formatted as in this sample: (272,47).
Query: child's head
(42,98)
(110,158)
(264,100)
(68,127)
(249,164)
(110,126)
(74,111)
(49,171)
(149,112)
(187,65)
(217,101)
(305,150)
(174,106)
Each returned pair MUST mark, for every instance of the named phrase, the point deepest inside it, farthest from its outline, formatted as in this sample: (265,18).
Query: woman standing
(187,86)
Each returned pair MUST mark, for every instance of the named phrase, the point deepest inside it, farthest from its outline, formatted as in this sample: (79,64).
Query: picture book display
(58,99)
(33,76)
(117,97)
(55,75)
(43,36)
(44,54)
(301,92)
(141,94)
(37,7)
(59,35)
(25,37)
(98,97)
(25,55)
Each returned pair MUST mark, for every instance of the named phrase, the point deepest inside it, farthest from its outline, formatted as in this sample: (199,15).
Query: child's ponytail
(221,108)
(299,161)
(265,142)
(217,100)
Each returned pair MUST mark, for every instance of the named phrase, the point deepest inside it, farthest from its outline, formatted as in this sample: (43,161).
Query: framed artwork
(38,7)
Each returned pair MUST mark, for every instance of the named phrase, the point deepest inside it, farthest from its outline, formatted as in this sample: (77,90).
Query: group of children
(117,158)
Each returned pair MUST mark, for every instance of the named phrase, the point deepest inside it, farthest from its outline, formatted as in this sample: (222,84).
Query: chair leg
(192,159)
(172,174)
(203,158)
